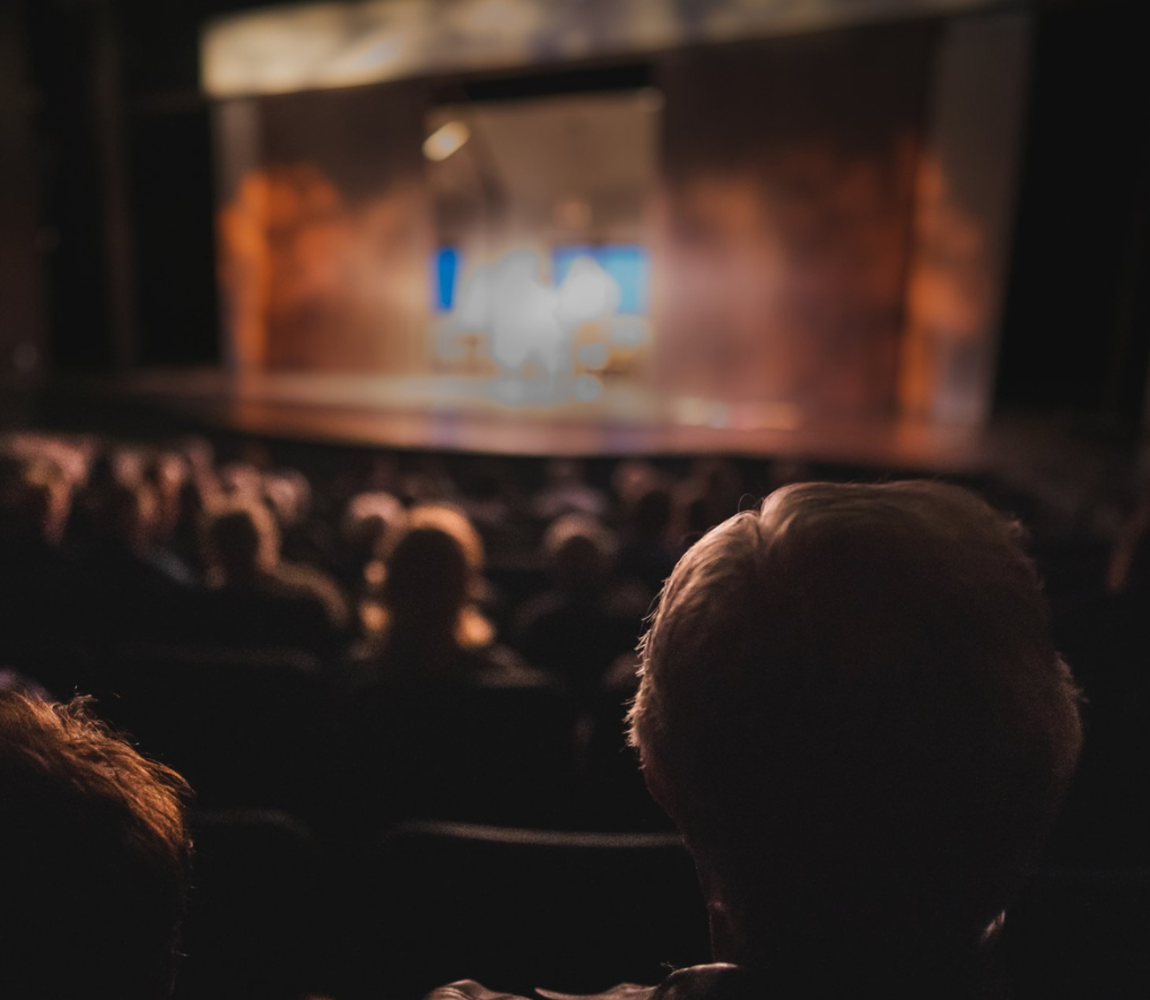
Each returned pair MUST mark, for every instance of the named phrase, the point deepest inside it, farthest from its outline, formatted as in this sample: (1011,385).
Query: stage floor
(505,416)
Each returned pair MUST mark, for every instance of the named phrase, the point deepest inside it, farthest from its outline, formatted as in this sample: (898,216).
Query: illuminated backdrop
(814,223)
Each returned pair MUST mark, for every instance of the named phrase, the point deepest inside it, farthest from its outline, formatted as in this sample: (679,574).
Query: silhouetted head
(287,493)
(372,522)
(433,575)
(852,707)
(242,540)
(581,551)
(428,580)
(455,523)
(694,513)
(632,478)
(200,455)
(96,859)
(166,473)
(33,509)
(650,516)
(128,513)
(191,503)
(710,494)
(241,480)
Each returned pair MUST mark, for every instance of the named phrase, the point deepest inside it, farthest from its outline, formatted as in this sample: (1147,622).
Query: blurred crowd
(399,574)
(109,543)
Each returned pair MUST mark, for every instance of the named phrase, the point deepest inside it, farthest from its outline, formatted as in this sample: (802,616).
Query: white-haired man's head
(852,707)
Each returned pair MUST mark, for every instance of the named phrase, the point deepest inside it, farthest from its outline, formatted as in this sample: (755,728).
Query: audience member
(647,553)
(196,494)
(567,491)
(97,857)
(429,629)
(33,569)
(241,480)
(134,588)
(101,545)
(632,477)
(429,483)
(167,472)
(433,715)
(852,707)
(371,524)
(708,496)
(259,600)
(307,536)
(484,602)
(577,629)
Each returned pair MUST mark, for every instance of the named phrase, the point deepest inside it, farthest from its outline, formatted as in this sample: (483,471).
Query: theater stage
(521,417)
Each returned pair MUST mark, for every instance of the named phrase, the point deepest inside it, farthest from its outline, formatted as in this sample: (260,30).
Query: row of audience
(459,572)
(108,544)
(851,705)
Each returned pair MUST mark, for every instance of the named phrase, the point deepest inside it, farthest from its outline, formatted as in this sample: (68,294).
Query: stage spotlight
(446,140)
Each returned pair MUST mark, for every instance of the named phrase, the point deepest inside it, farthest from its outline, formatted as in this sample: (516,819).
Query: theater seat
(518,908)
(241,725)
(253,929)
(475,753)
(616,796)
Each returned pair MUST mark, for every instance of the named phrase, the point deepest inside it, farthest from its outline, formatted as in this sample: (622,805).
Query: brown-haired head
(434,574)
(97,858)
(852,707)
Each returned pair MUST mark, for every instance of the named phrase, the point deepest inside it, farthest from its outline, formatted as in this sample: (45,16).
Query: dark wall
(170,168)
(125,180)
(22,295)
(64,59)
(1077,329)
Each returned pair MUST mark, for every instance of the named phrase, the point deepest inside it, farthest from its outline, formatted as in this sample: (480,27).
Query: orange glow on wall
(313,283)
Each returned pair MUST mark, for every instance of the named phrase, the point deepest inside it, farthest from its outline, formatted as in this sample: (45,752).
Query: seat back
(517,909)
(615,793)
(252,928)
(500,754)
(240,725)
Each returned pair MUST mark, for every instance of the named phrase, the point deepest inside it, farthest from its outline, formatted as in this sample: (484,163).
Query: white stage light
(446,140)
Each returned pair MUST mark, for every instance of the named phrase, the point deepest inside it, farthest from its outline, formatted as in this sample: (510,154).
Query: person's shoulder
(714,981)
(499,666)
(537,609)
(469,989)
(301,581)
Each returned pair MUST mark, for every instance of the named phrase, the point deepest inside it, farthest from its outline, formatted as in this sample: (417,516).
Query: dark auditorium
(574,500)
